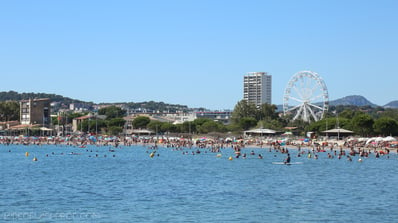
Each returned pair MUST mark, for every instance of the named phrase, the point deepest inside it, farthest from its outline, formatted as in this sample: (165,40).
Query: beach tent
(259,132)
(335,131)
(338,132)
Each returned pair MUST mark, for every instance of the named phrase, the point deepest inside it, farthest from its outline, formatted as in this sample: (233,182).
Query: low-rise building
(219,116)
(35,112)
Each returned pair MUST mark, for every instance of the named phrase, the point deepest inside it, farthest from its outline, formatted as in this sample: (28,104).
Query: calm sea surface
(129,186)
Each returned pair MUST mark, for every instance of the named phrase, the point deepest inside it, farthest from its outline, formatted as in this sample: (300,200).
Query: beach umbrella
(379,139)
(287,134)
(362,139)
(92,138)
(389,139)
(370,140)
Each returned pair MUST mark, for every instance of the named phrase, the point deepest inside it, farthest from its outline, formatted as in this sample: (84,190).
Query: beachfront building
(259,132)
(129,128)
(257,88)
(181,117)
(77,123)
(35,112)
(218,116)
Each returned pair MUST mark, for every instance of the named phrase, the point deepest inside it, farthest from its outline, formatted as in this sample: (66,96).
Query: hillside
(15,96)
(149,106)
(393,104)
(354,100)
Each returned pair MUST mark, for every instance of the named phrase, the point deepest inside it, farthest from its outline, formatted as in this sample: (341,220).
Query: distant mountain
(354,100)
(393,104)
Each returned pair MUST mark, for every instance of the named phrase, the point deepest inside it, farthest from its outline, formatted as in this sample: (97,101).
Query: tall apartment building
(257,88)
(35,112)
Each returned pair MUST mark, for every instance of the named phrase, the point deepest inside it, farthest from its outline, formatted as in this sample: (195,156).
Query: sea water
(127,185)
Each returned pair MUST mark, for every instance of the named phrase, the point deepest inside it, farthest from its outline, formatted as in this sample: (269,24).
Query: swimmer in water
(287,160)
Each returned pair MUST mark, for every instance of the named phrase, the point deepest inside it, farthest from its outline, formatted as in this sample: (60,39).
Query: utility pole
(96,124)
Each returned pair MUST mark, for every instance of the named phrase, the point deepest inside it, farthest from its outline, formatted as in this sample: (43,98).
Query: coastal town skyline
(196,53)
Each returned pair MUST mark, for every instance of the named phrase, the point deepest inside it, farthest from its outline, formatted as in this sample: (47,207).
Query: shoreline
(202,142)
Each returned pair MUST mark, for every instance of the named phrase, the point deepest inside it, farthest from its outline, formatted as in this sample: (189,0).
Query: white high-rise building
(257,88)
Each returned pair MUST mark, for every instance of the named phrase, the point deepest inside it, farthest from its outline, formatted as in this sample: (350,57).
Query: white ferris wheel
(306,97)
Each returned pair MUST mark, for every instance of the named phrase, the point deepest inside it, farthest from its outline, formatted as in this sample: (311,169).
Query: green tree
(154,125)
(98,125)
(168,127)
(198,123)
(386,126)
(9,111)
(201,121)
(116,122)
(390,113)
(362,124)
(112,112)
(188,127)
(271,124)
(141,122)
(247,122)
(179,128)
(243,109)
(267,112)
(347,113)
(209,126)
(115,130)
(233,127)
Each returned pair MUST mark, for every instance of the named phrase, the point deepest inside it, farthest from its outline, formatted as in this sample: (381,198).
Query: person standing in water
(287,160)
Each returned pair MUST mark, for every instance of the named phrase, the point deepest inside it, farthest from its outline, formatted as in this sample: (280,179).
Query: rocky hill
(354,100)
(393,104)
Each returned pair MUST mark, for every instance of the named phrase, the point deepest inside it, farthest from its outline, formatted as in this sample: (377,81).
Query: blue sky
(196,52)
